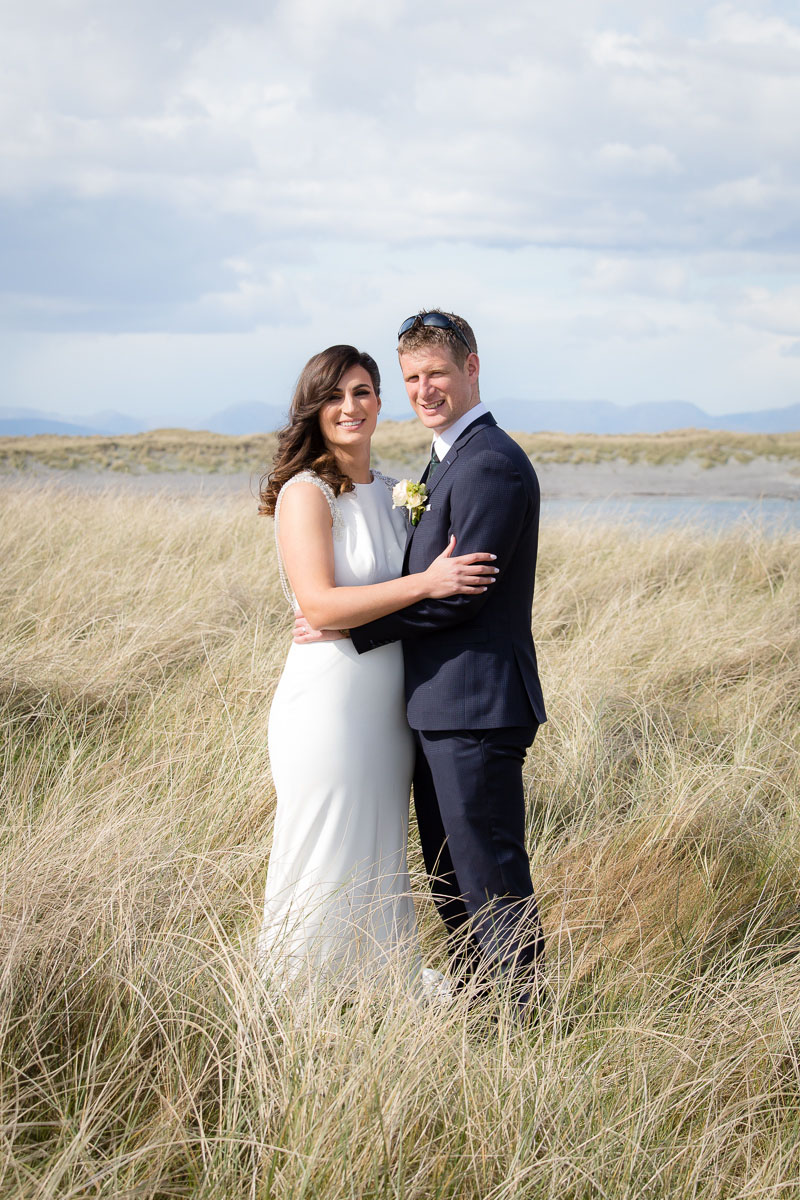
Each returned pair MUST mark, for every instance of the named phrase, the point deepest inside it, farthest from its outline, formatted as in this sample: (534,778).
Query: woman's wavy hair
(301,446)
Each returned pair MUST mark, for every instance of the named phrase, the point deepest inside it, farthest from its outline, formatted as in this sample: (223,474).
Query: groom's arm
(489,505)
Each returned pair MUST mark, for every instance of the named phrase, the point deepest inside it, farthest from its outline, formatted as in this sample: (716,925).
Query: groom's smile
(439,389)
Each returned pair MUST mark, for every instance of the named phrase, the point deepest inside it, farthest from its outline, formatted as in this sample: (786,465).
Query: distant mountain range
(601,416)
(24,422)
(247,418)
(523,416)
(238,419)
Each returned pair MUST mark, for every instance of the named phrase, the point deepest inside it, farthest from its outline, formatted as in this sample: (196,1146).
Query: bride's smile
(349,417)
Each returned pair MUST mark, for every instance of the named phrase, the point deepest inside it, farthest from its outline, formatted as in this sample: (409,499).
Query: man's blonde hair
(420,335)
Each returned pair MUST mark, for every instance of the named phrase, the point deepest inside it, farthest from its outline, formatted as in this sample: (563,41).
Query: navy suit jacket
(470,661)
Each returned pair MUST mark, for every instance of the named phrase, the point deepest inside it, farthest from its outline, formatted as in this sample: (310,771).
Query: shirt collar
(443,441)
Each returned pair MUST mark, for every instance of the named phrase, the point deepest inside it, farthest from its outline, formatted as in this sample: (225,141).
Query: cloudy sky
(195,196)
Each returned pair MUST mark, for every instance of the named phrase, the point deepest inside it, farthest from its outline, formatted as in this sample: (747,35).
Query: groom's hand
(303,634)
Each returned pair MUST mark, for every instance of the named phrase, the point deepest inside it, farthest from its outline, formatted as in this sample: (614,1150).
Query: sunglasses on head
(438,321)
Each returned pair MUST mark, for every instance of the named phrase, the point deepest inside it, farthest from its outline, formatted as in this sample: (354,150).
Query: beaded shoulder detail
(337,524)
(385,479)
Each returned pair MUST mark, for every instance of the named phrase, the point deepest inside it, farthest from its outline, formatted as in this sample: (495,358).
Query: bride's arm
(306,545)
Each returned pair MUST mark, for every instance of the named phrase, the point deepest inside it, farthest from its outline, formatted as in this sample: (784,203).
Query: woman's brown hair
(301,446)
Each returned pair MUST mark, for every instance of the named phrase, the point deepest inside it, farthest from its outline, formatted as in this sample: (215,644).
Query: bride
(337,894)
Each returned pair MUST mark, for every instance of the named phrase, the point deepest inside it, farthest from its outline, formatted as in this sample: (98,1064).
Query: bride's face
(349,418)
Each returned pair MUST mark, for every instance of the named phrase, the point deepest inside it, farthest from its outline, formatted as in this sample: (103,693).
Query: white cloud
(735,26)
(252,304)
(188,166)
(640,160)
(610,49)
(741,193)
(775,311)
(345,117)
(650,276)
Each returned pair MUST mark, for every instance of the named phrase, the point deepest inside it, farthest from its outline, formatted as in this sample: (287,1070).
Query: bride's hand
(468,573)
(303,634)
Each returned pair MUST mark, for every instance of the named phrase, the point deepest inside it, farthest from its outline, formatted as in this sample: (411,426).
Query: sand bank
(759,478)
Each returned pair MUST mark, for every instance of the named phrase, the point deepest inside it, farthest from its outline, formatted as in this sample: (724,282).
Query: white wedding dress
(338,898)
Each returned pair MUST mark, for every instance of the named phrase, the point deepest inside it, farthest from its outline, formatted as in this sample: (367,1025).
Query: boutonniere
(411,496)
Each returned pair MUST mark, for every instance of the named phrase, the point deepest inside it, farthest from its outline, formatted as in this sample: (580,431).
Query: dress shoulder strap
(386,480)
(337,524)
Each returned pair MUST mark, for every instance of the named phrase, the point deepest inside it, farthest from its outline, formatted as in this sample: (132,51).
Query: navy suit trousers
(470,807)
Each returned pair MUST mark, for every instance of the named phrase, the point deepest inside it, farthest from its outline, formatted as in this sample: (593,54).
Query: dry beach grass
(141,1056)
(396,442)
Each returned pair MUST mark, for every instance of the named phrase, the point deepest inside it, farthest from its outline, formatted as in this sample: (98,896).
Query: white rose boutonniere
(410,496)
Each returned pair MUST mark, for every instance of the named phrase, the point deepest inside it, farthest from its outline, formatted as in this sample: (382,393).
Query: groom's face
(439,389)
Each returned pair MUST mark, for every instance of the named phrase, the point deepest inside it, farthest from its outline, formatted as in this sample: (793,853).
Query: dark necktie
(433,464)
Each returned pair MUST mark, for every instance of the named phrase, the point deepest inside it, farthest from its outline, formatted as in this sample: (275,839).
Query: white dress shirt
(444,440)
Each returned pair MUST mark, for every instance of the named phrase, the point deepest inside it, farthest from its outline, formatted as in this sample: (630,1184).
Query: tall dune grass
(397,444)
(141,1054)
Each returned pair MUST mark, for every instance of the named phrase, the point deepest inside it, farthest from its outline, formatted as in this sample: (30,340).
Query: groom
(474,699)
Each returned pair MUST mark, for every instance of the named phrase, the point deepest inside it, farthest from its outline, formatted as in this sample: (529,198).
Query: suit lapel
(444,467)
(455,450)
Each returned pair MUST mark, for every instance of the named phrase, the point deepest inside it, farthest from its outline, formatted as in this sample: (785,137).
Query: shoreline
(617,479)
(610,479)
